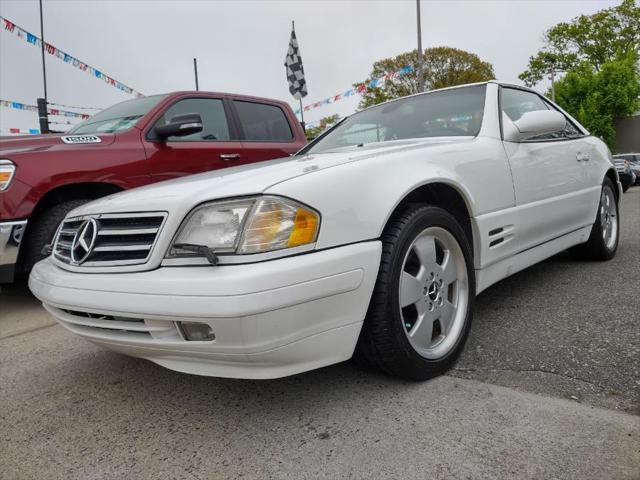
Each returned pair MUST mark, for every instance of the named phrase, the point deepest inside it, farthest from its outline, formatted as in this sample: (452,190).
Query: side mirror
(180,126)
(532,124)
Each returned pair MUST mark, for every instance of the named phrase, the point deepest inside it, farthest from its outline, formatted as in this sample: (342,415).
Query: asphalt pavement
(566,328)
(547,387)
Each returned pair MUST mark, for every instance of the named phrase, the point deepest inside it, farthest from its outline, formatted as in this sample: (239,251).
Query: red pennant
(9,25)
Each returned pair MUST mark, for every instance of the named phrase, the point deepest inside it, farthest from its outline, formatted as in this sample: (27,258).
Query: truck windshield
(119,117)
(447,113)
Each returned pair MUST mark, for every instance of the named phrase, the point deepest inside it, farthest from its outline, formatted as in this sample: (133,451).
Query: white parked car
(373,240)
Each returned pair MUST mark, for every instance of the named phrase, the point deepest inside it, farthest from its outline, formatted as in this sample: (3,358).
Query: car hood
(16,147)
(182,194)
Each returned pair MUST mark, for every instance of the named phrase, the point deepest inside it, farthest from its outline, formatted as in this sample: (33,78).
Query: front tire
(421,309)
(605,233)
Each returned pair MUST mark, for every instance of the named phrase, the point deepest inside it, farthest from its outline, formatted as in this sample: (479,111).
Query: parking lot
(547,387)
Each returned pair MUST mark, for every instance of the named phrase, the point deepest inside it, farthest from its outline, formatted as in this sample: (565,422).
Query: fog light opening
(196,331)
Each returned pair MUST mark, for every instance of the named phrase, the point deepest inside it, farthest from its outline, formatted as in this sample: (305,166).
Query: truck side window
(262,122)
(214,119)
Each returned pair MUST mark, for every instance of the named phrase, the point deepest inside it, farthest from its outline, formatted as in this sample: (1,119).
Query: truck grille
(119,239)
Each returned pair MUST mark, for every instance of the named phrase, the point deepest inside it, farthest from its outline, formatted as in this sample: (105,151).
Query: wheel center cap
(433,292)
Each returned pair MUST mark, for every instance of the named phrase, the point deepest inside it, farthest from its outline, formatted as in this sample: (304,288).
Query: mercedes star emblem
(84,241)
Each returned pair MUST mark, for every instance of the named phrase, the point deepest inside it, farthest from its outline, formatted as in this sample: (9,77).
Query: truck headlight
(7,171)
(243,226)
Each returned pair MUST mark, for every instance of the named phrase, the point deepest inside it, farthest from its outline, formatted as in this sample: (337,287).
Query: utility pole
(553,79)
(420,53)
(43,117)
(195,71)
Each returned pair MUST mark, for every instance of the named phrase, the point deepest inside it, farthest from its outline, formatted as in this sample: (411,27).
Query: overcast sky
(240,45)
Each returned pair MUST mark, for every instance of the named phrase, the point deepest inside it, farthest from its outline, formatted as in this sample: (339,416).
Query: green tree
(595,39)
(325,122)
(442,67)
(599,97)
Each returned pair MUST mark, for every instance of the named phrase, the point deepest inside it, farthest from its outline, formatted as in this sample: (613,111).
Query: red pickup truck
(128,145)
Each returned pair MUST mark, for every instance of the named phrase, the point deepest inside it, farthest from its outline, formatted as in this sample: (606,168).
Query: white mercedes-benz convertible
(372,241)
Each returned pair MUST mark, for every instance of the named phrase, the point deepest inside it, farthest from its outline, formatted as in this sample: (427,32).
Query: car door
(265,130)
(553,185)
(216,146)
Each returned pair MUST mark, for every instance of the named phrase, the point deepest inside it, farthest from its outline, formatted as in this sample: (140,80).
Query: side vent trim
(500,235)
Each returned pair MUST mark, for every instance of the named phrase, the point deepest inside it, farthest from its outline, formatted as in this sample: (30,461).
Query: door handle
(229,156)
(582,157)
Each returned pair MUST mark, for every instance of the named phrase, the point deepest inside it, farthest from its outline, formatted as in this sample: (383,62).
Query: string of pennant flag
(30,131)
(32,39)
(359,89)
(34,108)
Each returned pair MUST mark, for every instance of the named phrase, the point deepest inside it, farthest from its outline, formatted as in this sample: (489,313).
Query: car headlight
(243,226)
(7,170)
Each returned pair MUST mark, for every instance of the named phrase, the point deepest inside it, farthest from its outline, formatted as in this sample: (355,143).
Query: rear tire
(605,233)
(41,231)
(426,281)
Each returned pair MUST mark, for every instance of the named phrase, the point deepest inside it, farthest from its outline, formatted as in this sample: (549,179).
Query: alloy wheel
(433,292)
(608,217)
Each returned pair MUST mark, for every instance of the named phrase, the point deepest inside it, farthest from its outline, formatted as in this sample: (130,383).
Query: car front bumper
(270,319)
(11,234)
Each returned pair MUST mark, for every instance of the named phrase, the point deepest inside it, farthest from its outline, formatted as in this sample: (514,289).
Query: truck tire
(422,304)
(41,231)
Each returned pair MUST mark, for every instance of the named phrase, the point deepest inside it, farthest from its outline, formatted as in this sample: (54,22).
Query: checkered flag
(295,72)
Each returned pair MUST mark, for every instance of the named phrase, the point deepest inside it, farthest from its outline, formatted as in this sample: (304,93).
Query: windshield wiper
(207,252)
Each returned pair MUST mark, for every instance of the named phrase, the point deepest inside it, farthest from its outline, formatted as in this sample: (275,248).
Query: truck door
(216,146)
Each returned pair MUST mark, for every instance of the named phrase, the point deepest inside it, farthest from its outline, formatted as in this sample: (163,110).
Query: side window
(214,119)
(516,103)
(262,122)
(569,131)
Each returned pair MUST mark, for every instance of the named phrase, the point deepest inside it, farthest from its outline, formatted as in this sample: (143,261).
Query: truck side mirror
(180,126)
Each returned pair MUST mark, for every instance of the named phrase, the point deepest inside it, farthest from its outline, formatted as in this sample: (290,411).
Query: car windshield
(121,116)
(446,113)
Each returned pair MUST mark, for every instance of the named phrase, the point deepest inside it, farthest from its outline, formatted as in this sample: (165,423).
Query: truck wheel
(605,233)
(41,231)
(421,309)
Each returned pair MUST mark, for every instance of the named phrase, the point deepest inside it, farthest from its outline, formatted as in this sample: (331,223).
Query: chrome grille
(121,239)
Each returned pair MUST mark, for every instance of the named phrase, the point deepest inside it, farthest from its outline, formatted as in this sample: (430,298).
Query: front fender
(356,199)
